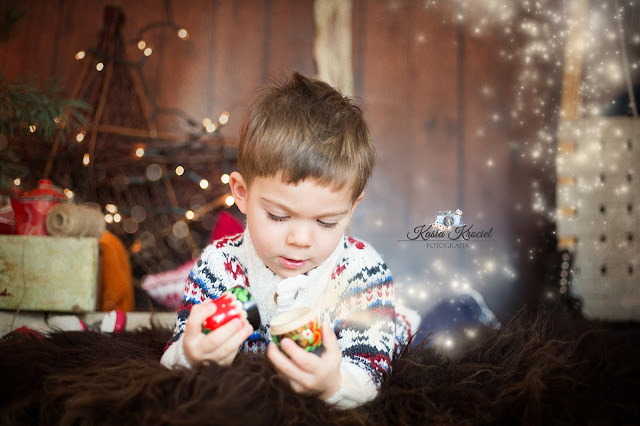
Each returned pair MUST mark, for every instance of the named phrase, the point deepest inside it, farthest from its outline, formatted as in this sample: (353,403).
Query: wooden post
(573,52)
(571,100)
(332,43)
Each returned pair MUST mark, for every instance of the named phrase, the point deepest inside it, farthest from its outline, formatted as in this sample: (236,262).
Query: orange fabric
(117,283)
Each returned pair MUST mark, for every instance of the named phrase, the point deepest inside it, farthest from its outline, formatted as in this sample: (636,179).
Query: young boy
(305,155)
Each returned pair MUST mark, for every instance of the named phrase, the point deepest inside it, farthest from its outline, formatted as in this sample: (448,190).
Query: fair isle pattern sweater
(352,290)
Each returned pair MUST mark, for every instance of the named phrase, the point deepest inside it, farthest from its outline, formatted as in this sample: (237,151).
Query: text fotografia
(459,234)
(446,245)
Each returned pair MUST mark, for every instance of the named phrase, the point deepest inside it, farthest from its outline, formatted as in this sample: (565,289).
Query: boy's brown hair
(303,128)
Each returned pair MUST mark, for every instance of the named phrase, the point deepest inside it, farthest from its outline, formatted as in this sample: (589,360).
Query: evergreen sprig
(10,165)
(23,104)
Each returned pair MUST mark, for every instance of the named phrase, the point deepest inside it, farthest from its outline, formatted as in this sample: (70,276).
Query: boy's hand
(220,345)
(307,372)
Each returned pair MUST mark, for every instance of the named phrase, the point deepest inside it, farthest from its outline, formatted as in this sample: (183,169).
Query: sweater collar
(301,290)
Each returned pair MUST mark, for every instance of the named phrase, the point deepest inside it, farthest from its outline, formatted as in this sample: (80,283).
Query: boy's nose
(299,236)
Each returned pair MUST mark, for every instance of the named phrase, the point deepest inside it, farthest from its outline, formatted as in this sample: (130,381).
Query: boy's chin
(289,273)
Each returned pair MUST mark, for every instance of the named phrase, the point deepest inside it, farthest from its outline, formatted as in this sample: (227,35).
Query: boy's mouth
(291,263)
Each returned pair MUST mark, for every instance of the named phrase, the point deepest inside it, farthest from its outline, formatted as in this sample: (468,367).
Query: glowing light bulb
(117,218)
(211,128)
(80,137)
(179,170)
(86,160)
(140,152)
(99,66)
(224,118)
(189,214)
(204,184)
(108,218)
(111,208)
(80,55)
(224,178)
(142,44)
(148,51)
(17,181)
(68,193)
(183,34)
(154,172)
(229,201)
(206,122)
(32,128)
(180,229)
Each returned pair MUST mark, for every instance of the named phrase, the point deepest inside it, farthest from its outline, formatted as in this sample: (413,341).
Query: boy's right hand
(220,345)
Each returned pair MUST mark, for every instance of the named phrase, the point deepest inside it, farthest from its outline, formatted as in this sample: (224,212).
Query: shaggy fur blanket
(536,369)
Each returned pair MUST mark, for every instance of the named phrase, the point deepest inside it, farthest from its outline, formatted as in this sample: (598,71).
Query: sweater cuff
(356,387)
(174,355)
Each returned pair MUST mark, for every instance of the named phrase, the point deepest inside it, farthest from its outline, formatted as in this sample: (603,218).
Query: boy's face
(294,228)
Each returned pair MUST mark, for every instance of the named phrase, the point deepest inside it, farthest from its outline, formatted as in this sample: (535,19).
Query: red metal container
(31,208)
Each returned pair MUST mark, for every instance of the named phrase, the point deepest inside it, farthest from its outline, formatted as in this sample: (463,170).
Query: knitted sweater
(352,290)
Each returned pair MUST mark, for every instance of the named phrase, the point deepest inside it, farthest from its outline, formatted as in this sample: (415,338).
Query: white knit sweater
(352,290)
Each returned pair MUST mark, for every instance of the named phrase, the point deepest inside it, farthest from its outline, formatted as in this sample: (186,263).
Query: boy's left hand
(307,372)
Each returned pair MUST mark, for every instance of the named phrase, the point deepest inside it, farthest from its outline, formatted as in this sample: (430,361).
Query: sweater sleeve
(174,355)
(364,323)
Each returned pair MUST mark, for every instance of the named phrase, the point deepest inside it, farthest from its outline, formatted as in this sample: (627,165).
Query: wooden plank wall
(437,99)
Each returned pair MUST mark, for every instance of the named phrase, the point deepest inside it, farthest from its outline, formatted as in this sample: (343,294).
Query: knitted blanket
(536,369)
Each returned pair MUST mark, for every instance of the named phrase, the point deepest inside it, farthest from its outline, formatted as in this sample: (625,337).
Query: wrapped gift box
(44,273)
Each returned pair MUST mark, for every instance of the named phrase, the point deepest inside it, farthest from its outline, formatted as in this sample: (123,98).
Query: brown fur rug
(537,369)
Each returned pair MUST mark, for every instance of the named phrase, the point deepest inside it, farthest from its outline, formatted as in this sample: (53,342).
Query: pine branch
(10,166)
(23,104)
(26,108)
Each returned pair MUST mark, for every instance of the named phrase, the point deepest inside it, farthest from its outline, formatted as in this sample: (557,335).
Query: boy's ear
(355,203)
(239,189)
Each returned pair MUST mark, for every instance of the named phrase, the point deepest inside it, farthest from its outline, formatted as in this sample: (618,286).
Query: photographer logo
(448,230)
(448,219)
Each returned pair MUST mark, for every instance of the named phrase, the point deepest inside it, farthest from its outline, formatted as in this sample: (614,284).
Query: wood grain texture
(436,96)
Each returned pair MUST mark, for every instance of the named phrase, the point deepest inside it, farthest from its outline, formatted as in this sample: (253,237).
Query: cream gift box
(45,273)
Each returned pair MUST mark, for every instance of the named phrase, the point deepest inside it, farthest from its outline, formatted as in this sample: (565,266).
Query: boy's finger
(329,338)
(229,348)
(221,336)
(228,359)
(284,364)
(297,386)
(199,313)
(307,361)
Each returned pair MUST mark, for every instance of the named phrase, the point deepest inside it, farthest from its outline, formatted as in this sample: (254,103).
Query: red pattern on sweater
(224,241)
(359,244)
(337,272)
(378,361)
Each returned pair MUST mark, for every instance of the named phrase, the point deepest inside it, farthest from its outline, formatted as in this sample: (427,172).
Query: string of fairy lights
(199,136)
(154,172)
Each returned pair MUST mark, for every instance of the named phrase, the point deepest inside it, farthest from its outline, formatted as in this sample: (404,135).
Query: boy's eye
(276,218)
(328,225)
